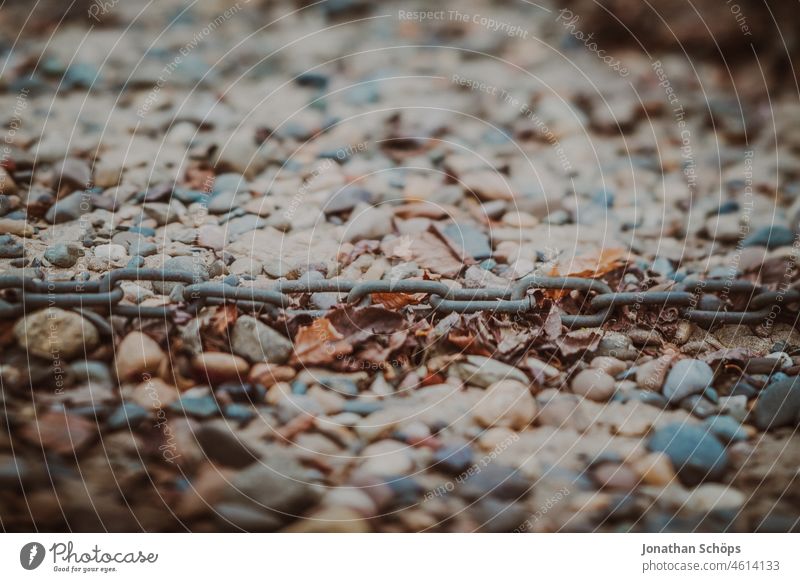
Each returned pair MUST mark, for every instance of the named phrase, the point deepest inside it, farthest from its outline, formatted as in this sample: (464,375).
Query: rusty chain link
(705,302)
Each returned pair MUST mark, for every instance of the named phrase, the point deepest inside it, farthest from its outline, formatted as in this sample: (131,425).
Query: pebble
(55,333)
(615,476)
(63,255)
(196,406)
(258,342)
(193,265)
(138,354)
(771,236)
(72,172)
(727,429)
(276,490)
(609,365)
(7,185)
(127,415)
(498,481)
(68,208)
(370,223)
(778,404)
(387,458)
(687,377)
(111,252)
(474,242)
(650,375)
(220,366)
(695,453)
(10,247)
(735,406)
(507,403)
(453,458)
(483,371)
(16,227)
(223,446)
(593,384)
(710,497)
(655,469)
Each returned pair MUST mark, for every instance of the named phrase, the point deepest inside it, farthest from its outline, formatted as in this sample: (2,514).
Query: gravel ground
(473,144)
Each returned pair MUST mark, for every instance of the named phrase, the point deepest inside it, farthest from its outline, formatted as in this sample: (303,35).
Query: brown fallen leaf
(223,318)
(580,340)
(59,432)
(593,264)
(397,300)
(319,343)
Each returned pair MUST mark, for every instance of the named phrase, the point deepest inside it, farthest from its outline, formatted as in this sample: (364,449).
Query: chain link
(705,302)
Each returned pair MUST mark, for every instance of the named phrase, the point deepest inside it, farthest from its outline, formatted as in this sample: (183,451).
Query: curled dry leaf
(397,300)
(579,341)
(319,343)
(593,264)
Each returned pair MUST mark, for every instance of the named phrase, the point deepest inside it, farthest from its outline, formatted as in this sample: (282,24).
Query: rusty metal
(706,302)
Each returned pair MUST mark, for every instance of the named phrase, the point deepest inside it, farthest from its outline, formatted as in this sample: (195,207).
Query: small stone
(68,208)
(655,469)
(242,393)
(593,384)
(698,406)
(616,345)
(59,432)
(111,252)
(710,497)
(55,333)
(482,371)
(18,227)
(72,172)
(138,354)
(63,255)
(220,366)
(453,458)
(772,237)
(211,236)
(507,403)
(474,243)
(615,476)
(727,429)
(347,198)
(735,406)
(127,415)
(387,458)
(499,481)
(197,406)
(368,223)
(7,185)
(223,447)
(258,342)
(275,489)
(193,265)
(687,377)
(778,404)
(154,394)
(650,375)
(10,247)
(609,365)
(695,453)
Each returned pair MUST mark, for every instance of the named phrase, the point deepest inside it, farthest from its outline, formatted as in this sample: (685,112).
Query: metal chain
(692,297)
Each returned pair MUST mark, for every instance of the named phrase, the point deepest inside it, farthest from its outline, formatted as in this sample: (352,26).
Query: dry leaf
(591,265)
(224,317)
(319,343)
(397,300)
(579,341)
